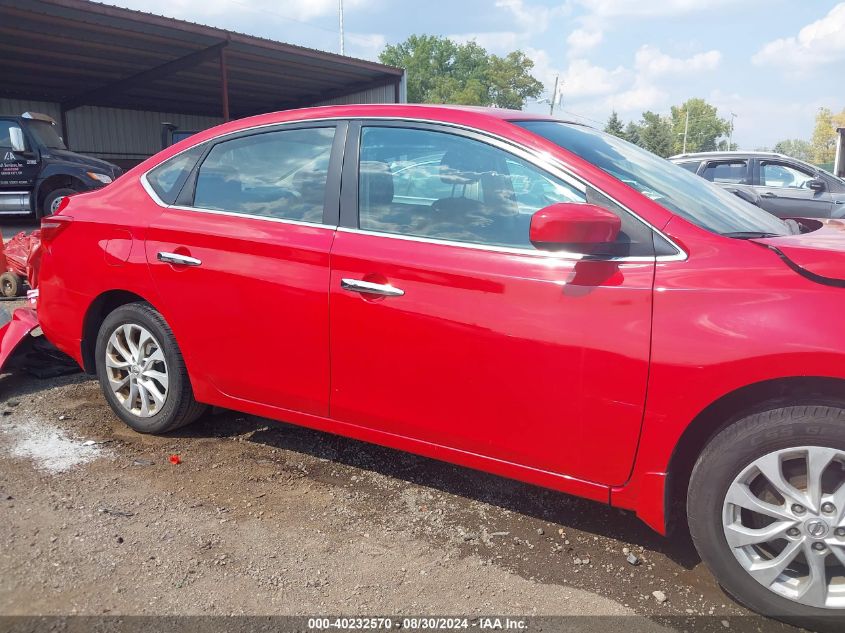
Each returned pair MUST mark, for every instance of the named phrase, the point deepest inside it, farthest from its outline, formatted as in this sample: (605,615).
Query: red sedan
(513,293)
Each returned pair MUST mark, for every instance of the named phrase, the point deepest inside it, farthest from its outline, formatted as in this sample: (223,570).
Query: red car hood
(818,255)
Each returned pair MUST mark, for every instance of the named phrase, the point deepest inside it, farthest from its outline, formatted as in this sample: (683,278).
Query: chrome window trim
(511,250)
(540,160)
(250,216)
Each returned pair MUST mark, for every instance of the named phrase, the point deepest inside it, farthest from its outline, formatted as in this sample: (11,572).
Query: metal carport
(86,59)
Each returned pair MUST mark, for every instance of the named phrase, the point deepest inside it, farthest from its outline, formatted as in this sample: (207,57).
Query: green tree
(824,135)
(442,71)
(511,82)
(795,147)
(632,133)
(656,134)
(614,125)
(705,126)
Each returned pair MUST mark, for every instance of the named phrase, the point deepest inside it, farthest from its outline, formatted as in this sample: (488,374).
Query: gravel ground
(267,518)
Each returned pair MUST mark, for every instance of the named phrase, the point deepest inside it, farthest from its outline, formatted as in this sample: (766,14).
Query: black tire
(722,460)
(179,408)
(11,285)
(47,205)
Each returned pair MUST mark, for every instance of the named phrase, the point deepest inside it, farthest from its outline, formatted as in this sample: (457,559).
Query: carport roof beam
(98,95)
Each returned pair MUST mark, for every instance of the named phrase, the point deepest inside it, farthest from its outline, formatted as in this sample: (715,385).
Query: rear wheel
(141,371)
(766,509)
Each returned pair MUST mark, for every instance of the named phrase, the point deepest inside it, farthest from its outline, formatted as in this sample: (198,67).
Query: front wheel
(766,510)
(141,371)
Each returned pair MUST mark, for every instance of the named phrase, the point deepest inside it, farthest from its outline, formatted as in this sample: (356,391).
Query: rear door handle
(369,288)
(179,260)
(768,194)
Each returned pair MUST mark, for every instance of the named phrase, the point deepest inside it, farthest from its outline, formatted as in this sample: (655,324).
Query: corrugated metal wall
(111,133)
(384,94)
(117,134)
(17,107)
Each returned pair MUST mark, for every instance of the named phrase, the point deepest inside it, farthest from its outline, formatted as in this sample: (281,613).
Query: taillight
(52,225)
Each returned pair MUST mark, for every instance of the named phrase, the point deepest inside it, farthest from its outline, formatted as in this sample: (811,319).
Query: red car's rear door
(242,264)
(447,326)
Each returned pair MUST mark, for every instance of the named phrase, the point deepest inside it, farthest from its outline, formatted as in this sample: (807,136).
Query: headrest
(310,184)
(463,168)
(376,182)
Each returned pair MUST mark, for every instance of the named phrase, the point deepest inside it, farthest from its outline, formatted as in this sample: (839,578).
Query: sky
(772,63)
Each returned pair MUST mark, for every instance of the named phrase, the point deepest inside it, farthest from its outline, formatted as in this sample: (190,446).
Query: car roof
(731,154)
(470,116)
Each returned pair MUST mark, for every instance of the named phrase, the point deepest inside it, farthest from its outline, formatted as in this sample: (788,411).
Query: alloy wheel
(136,370)
(784,519)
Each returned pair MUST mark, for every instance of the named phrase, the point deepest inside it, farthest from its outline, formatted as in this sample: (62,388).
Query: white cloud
(820,42)
(640,97)
(762,121)
(365,45)
(498,42)
(649,60)
(194,10)
(532,18)
(644,8)
(582,40)
(583,79)
(637,87)
(528,21)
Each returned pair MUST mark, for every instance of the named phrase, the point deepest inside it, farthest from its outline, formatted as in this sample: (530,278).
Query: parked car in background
(492,288)
(783,186)
(37,170)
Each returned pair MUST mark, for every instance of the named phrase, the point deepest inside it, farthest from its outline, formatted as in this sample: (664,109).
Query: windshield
(690,196)
(45,134)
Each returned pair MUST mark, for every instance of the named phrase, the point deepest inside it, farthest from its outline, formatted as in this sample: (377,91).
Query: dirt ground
(267,518)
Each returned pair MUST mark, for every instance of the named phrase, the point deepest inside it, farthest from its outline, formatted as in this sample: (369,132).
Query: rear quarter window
(168,178)
(691,166)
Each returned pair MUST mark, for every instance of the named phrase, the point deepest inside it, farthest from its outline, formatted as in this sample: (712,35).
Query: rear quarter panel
(102,249)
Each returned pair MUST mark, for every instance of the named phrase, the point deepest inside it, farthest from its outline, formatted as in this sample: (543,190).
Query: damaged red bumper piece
(13,331)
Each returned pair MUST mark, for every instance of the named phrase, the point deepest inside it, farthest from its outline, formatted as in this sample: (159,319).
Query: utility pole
(686,130)
(731,133)
(553,100)
(340,11)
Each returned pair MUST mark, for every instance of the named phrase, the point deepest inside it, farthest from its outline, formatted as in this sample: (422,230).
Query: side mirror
(18,142)
(817,184)
(573,226)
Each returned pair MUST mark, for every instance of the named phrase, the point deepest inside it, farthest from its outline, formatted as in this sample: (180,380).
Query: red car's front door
(242,267)
(448,327)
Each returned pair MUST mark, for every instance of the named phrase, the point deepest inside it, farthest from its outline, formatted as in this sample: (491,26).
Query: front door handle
(179,260)
(768,194)
(369,288)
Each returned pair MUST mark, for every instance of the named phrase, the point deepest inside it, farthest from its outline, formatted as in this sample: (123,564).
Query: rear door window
(280,174)
(729,171)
